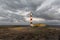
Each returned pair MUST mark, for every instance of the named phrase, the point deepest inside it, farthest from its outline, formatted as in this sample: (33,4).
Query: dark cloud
(49,9)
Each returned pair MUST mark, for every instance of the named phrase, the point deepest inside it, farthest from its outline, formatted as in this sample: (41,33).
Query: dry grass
(23,33)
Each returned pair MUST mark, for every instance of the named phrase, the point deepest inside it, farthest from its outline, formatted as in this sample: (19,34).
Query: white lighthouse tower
(31,24)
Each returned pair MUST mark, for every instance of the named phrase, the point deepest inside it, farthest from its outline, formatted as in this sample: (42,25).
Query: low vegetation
(29,34)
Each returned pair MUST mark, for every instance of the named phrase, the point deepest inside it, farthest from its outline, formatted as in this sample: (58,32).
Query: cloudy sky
(17,11)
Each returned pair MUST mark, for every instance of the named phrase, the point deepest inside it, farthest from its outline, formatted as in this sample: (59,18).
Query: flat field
(28,33)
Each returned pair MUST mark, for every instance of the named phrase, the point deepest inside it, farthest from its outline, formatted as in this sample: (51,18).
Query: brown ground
(26,33)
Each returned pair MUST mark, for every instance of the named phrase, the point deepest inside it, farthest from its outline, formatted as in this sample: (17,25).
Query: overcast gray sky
(44,11)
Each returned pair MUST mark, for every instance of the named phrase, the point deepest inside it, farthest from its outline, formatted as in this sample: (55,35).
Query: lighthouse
(31,24)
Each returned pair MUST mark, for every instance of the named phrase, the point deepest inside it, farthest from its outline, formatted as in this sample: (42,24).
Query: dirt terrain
(26,33)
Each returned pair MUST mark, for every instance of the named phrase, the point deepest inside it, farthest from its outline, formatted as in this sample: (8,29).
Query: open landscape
(29,19)
(29,33)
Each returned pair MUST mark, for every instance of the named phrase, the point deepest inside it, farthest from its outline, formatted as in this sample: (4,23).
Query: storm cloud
(12,10)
